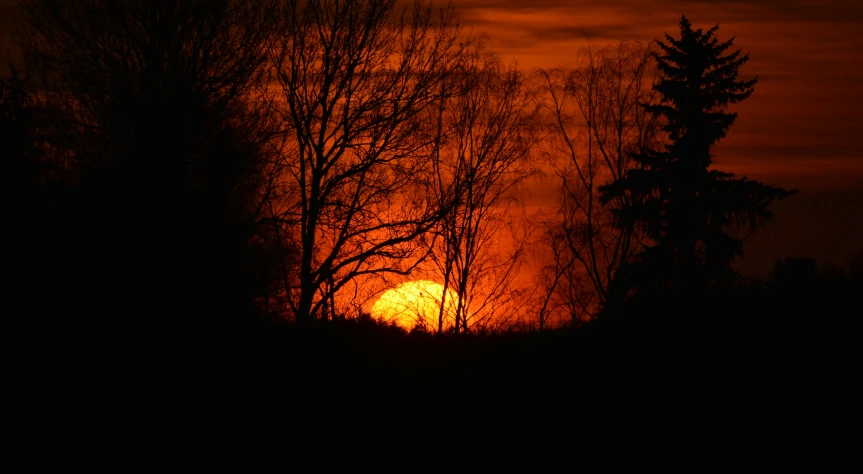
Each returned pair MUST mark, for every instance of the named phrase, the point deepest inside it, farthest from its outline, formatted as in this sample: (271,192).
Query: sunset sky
(797,126)
(799,129)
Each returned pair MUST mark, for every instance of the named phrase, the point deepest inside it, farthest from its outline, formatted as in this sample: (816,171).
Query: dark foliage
(16,137)
(692,214)
(160,162)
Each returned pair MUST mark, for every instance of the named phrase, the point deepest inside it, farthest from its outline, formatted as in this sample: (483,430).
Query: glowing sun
(416,303)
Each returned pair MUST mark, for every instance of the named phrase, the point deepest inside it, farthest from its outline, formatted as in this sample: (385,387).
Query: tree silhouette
(33,205)
(487,132)
(599,120)
(691,214)
(354,80)
(153,113)
(16,137)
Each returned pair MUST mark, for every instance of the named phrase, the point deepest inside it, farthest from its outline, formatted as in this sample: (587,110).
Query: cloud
(739,10)
(807,54)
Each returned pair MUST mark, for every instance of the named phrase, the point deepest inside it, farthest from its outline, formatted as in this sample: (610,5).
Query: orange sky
(799,129)
(796,130)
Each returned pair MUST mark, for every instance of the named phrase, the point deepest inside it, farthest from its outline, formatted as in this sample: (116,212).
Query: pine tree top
(699,80)
(699,57)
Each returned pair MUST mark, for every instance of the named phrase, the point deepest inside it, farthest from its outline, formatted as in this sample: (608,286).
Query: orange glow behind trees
(390,144)
(417,304)
(598,120)
(354,81)
(487,128)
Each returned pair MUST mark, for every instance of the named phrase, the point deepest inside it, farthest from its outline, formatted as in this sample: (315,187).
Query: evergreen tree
(693,215)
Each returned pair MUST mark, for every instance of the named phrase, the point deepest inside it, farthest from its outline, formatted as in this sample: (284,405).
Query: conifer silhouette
(693,215)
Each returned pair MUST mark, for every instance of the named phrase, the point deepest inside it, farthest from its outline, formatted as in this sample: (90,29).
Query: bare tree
(486,131)
(597,113)
(355,78)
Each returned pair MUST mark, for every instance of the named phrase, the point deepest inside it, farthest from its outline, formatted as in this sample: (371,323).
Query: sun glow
(416,303)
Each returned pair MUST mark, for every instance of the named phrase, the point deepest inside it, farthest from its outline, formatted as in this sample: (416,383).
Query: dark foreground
(666,389)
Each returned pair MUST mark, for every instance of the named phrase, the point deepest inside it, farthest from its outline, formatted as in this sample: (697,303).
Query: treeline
(176,166)
(195,163)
